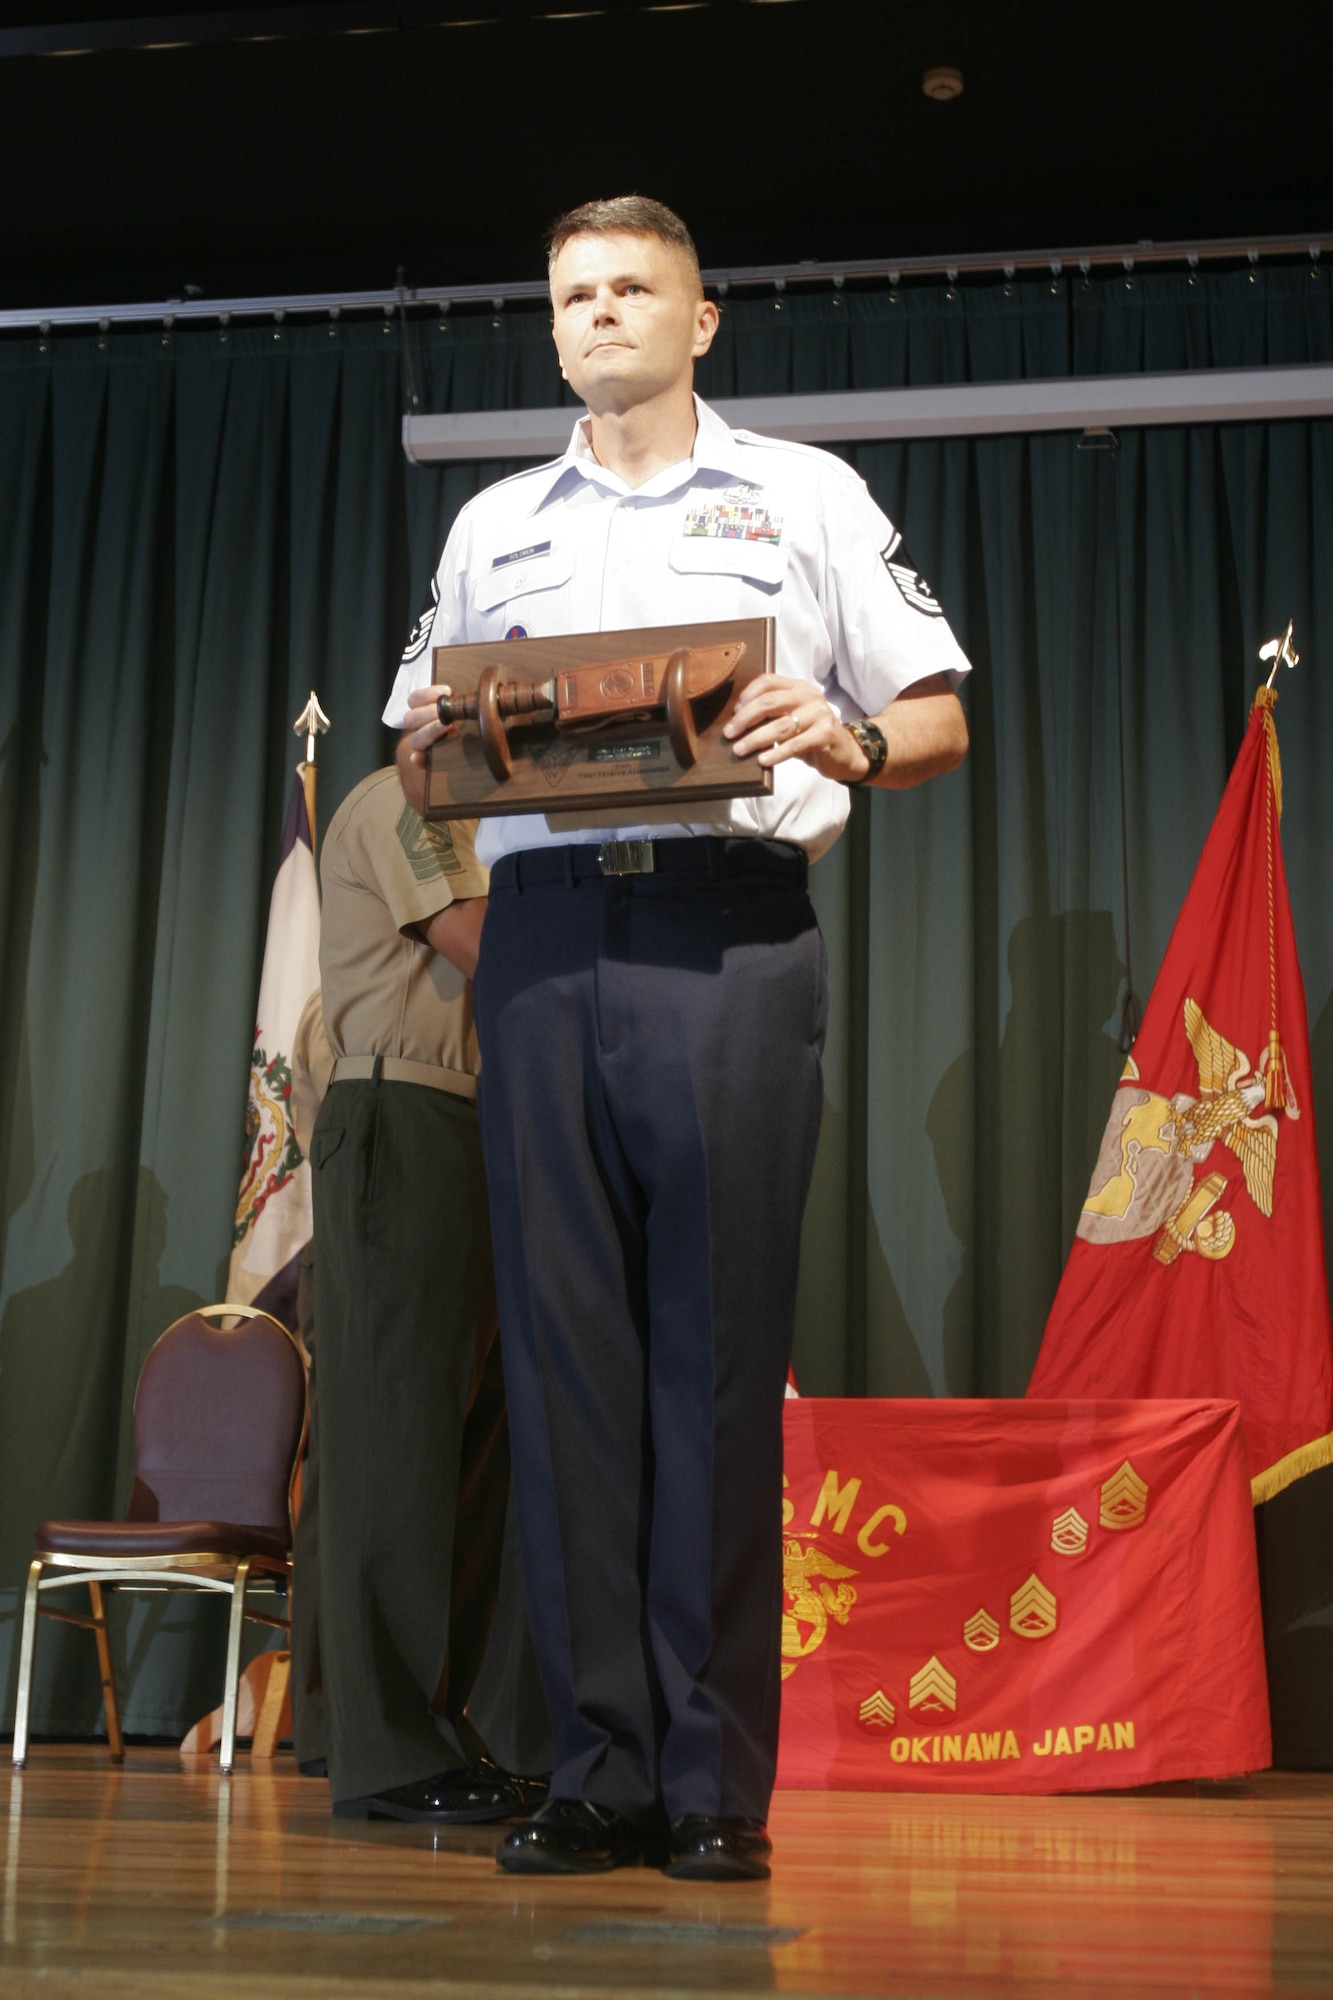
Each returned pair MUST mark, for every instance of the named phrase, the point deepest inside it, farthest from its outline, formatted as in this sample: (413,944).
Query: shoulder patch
(912,586)
(421,631)
(428,845)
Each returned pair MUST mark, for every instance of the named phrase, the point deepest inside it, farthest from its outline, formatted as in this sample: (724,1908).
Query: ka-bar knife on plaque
(595,720)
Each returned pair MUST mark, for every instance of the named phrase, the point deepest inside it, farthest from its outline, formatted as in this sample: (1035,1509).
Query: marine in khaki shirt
(395,894)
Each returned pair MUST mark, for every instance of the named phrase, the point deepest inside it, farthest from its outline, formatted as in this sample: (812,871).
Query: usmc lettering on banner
(817,1586)
(835,1504)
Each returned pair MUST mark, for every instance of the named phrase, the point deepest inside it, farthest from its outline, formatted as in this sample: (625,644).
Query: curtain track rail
(777,277)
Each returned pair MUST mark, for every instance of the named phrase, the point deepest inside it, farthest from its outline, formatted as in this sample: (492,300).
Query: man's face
(628,319)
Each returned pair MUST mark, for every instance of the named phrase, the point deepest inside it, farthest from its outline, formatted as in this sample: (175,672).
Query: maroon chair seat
(219,1421)
(103,1540)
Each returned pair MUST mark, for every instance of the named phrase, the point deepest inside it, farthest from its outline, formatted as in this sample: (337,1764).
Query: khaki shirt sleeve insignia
(428,845)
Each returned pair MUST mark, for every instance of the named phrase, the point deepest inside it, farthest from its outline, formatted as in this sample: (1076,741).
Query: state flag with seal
(1198,1263)
(273,1207)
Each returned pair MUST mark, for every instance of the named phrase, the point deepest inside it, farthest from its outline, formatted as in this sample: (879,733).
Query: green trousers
(307,1693)
(412,1453)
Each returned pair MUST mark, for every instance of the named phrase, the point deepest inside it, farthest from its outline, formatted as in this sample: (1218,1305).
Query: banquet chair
(219,1423)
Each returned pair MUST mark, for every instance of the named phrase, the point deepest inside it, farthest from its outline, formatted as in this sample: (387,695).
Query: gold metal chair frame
(208,1570)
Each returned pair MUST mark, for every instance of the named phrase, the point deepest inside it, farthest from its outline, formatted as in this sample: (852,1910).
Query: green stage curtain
(199,526)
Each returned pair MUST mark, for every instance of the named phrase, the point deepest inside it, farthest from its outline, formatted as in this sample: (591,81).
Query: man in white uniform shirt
(651,1018)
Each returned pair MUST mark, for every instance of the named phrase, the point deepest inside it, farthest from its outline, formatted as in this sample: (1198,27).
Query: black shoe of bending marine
(719,1850)
(476,1796)
(571,1837)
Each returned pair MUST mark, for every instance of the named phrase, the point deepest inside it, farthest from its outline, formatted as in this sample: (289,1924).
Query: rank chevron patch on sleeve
(912,586)
(428,845)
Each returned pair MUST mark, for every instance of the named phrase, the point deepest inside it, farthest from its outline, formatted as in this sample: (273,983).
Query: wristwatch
(872,740)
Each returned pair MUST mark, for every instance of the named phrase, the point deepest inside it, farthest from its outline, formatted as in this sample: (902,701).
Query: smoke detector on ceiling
(943,83)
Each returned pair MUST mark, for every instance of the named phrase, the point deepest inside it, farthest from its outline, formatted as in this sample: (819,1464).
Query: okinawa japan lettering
(991,1746)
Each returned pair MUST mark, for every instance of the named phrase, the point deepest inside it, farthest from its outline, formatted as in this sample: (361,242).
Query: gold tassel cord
(1277,1096)
(1277,1089)
(1265,698)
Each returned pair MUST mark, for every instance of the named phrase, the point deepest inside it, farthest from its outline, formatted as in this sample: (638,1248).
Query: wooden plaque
(648,751)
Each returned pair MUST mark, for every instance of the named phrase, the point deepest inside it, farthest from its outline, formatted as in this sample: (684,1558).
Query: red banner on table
(1018,1596)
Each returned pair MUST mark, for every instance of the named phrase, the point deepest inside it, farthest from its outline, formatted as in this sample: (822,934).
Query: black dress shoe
(571,1837)
(472,1797)
(719,1850)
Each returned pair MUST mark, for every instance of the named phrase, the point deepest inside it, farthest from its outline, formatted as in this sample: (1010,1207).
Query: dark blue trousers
(650,1104)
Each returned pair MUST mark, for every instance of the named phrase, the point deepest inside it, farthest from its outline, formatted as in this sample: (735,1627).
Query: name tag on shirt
(521,555)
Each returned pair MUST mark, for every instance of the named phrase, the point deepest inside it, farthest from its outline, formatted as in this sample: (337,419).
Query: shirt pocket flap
(509,573)
(762,563)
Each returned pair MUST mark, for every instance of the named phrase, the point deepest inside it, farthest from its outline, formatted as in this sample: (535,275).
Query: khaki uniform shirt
(312,1066)
(385,991)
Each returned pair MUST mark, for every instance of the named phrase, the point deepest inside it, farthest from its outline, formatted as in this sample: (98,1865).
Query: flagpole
(312,723)
(1280,651)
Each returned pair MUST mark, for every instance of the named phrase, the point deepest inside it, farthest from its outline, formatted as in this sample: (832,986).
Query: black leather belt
(705,857)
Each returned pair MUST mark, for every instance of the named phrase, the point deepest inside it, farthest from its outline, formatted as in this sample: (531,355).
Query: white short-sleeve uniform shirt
(746,527)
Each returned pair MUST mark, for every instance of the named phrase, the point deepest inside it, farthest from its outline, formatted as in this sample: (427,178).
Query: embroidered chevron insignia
(911,584)
(428,845)
(420,633)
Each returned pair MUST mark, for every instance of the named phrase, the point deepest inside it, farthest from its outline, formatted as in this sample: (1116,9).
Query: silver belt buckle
(626,857)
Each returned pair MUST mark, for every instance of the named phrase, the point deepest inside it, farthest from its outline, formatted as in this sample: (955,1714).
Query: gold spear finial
(1281,652)
(314,722)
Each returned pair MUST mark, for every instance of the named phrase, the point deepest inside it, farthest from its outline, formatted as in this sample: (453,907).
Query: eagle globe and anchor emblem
(815,1595)
(1147,1179)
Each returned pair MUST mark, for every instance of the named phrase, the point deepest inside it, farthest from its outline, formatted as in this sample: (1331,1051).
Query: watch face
(873,742)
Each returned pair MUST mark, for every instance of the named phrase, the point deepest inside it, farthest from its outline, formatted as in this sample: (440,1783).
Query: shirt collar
(715,450)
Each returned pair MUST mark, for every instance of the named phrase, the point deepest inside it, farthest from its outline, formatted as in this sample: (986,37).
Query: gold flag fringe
(1306,1458)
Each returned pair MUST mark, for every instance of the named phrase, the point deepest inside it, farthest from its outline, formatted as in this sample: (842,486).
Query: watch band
(873,742)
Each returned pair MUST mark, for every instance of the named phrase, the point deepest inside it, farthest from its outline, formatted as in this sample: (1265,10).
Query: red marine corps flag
(1198,1263)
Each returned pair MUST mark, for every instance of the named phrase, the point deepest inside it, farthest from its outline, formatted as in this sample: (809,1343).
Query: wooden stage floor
(160,1879)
